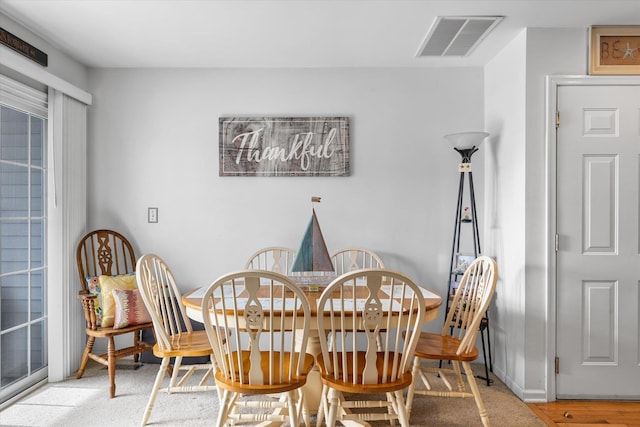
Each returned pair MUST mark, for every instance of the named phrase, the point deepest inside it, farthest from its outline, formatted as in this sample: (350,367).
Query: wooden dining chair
(106,255)
(351,259)
(258,325)
(457,341)
(354,258)
(175,337)
(273,258)
(353,311)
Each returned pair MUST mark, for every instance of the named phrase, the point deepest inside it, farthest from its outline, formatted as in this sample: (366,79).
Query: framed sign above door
(284,146)
(615,50)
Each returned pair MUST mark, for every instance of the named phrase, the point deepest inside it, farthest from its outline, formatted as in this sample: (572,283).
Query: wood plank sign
(23,48)
(284,146)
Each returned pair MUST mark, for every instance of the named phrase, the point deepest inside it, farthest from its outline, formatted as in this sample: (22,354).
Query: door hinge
(557,243)
(557,365)
(557,119)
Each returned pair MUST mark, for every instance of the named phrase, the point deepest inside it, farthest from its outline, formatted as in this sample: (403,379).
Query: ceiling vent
(456,35)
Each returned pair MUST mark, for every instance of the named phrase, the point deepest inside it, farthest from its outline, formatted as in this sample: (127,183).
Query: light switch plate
(152,215)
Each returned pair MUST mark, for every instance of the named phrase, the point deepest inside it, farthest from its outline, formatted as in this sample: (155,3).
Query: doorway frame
(553,82)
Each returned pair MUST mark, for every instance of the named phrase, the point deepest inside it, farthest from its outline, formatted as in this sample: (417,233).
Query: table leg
(313,388)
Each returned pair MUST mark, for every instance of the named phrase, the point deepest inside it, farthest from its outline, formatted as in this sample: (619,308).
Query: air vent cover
(456,35)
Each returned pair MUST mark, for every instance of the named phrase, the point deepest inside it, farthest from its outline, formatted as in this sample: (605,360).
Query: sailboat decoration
(313,254)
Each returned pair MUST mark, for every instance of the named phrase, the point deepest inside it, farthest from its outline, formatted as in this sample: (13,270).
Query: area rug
(85,402)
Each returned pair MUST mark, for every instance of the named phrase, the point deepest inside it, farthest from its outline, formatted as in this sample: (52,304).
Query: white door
(598,265)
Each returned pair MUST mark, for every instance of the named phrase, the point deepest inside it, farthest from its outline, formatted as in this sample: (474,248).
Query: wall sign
(284,146)
(23,48)
(615,50)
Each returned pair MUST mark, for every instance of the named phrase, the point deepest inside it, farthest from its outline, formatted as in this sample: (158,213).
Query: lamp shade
(466,140)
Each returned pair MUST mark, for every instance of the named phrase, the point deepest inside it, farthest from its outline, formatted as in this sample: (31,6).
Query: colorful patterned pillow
(93,285)
(130,308)
(107,285)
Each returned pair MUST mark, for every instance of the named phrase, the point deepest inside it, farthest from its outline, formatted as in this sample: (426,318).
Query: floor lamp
(467,143)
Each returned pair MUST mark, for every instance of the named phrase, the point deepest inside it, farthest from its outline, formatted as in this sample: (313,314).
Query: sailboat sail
(313,254)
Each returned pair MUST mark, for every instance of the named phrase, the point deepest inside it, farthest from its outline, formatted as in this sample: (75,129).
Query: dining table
(312,287)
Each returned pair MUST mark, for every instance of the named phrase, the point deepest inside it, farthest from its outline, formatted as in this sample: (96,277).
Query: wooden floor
(587,413)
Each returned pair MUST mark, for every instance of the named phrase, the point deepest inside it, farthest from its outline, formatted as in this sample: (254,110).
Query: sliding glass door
(23,226)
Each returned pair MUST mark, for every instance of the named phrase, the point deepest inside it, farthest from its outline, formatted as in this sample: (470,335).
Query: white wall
(518,232)
(505,204)
(153,141)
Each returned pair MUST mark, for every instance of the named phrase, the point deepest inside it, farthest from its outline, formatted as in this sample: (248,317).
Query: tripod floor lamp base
(467,143)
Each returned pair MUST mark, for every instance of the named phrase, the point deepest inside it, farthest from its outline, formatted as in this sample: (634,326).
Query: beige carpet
(86,402)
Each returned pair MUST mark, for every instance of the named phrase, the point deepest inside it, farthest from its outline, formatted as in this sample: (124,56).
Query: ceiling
(288,33)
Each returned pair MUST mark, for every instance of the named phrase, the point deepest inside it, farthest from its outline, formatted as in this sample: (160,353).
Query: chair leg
(111,360)
(293,410)
(213,373)
(403,414)
(223,415)
(459,380)
(85,356)
(484,416)
(392,408)
(175,372)
(322,409)
(136,339)
(156,387)
(415,373)
(334,402)
(302,409)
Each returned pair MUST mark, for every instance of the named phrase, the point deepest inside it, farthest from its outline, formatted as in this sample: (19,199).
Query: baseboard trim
(524,394)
